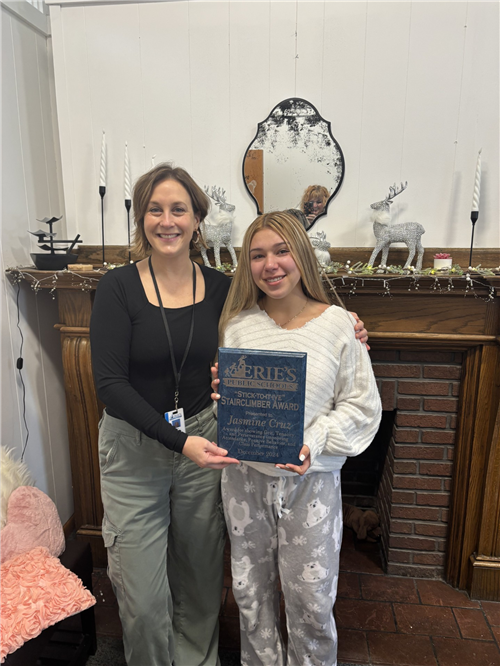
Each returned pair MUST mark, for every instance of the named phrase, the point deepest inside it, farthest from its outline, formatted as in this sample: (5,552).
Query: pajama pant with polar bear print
(291,528)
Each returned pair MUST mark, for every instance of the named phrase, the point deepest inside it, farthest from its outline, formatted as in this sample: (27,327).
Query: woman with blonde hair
(313,202)
(293,514)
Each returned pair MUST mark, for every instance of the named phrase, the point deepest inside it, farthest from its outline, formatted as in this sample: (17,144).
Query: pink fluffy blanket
(32,520)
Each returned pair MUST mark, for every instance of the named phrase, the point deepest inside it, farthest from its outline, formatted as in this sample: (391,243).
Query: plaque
(261,407)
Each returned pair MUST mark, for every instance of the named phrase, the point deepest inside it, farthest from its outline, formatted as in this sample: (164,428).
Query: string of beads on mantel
(356,278)
(84,282)
(353,279)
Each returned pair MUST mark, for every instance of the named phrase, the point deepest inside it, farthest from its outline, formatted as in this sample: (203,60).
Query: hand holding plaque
(261,405)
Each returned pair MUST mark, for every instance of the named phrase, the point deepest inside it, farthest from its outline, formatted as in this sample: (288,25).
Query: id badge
(176,419)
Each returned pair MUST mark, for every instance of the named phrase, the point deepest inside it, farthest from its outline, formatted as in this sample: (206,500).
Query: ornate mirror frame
(294,131)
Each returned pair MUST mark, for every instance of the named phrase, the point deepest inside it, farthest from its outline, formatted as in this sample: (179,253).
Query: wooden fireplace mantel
(418,320)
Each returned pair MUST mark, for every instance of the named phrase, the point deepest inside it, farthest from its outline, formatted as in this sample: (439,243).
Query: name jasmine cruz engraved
(272,423)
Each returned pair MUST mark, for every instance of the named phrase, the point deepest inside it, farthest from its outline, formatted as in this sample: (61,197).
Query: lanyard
(177,375)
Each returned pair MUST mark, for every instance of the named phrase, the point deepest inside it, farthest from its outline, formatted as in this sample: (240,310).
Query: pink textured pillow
(32,520)
(37,591)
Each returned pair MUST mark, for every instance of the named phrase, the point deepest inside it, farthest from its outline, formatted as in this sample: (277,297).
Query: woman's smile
(273,268)
(170,222)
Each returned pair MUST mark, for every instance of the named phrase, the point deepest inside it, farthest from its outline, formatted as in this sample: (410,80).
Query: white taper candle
(477,184)
(128,189)
(102,173)
(153,161)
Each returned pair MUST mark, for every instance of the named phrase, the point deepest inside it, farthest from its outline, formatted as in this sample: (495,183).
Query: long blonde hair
(244,293)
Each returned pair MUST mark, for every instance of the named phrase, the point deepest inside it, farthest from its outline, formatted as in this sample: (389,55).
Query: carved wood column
(485,574)
(473,561)
(83,413)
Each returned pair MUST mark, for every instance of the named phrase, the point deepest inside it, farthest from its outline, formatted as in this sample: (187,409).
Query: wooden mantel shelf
(406,319)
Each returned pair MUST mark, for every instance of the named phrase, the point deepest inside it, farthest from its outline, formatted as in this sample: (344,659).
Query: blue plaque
(261,408)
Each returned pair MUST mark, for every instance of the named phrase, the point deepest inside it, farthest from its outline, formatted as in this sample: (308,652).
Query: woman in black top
(160,484)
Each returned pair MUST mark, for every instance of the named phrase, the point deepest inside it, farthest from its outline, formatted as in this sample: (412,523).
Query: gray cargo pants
(152,498)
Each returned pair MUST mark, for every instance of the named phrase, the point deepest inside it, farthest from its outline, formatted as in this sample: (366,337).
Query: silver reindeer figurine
(321,247)
(217,226)
(405,232)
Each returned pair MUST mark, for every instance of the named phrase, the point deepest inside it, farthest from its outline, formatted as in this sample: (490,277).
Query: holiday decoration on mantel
(217,227)
(52,261)
(442,261)
(404,232)
(353,278)
(321,247)
(79,279)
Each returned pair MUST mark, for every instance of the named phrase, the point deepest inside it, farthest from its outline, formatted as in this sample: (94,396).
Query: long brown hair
(244,293)
(143,191)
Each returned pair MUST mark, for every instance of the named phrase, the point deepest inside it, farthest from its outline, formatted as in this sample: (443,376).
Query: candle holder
(473,218)
(50,260)
(102,192)
(128,205)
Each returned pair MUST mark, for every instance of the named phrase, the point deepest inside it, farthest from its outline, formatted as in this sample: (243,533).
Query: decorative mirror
(294,161)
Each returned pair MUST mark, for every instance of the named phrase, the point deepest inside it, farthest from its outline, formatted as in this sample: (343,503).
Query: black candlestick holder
(102,192)
(473,218)
(128,205)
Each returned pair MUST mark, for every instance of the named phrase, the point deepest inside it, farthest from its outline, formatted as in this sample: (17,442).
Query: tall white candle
(153,161)
(477,184)
(102,172)
(128,189)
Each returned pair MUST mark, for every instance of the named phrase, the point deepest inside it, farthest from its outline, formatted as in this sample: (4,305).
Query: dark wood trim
(446,340)
(456,556)
(485,578)
(489,541)
(92,534)
(485,573)
(479,400)
(69,527)
(488,257)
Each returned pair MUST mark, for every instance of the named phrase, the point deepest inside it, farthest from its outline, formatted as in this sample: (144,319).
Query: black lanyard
(177,375)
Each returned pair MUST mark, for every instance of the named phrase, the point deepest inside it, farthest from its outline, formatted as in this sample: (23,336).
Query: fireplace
(361,475)
(405,475)
(436,356)
(413,496)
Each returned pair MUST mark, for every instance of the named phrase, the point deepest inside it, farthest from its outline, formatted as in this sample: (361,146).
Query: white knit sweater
(342,405)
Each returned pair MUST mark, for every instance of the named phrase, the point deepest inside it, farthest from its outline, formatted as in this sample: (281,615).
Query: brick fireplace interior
(406,473)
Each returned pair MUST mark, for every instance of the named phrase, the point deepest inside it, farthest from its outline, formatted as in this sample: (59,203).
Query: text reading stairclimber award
(261,408)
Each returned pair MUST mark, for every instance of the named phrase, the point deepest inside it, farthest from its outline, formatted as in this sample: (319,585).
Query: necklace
(294,316)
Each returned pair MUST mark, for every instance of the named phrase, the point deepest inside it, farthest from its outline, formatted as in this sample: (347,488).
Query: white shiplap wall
(31,189)
(411,89)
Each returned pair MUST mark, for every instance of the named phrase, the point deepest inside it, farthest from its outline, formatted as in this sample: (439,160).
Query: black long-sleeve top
(131,358)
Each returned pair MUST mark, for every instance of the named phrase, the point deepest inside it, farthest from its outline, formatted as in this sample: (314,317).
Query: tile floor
(382,620)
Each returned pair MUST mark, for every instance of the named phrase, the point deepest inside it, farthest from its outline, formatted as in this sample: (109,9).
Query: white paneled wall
(31,189)
(411,90)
